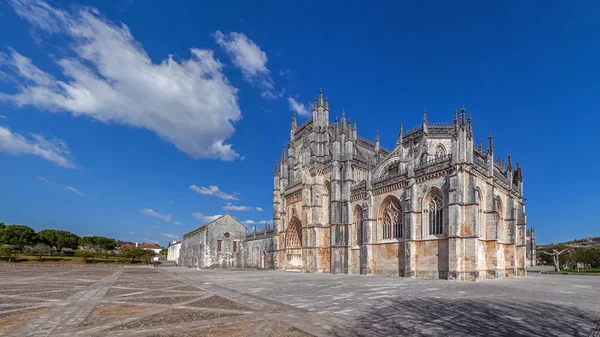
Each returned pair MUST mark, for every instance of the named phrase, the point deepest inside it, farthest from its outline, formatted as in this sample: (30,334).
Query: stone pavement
(103,301)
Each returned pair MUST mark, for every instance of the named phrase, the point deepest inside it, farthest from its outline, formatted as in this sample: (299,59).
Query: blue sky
(117,117)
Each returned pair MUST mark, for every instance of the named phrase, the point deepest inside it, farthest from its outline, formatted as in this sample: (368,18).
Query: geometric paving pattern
(180,302)
(143,301)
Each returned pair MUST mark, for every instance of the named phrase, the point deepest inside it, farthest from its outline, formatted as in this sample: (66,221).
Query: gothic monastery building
(434,206)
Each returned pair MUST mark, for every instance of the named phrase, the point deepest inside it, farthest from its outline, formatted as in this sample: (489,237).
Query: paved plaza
(177,302)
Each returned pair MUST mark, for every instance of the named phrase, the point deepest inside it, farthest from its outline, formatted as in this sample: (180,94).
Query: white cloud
(171,236)
(248,57)
(45,181)
(206,218)
(212,191)
(3,117)
(176,223)
(297,107)
(230,207)
(131,233)
(109,77)
(54,150)
(259,209)
(156,226)
(151,212)
(74,190)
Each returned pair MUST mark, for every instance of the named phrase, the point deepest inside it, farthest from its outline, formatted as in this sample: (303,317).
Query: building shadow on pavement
(470,317)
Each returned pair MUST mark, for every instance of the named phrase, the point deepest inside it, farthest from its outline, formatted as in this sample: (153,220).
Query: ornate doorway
(293,244)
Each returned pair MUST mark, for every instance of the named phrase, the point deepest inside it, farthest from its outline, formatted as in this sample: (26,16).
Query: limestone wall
(257,251)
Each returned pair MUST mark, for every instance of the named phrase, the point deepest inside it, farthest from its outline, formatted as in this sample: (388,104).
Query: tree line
(19,239)
(590,257)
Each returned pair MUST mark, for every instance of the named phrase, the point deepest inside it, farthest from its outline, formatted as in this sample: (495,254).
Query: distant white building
(173,251)
(150,246)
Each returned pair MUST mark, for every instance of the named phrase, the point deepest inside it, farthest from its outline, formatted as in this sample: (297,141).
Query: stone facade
(434,206)
(531,252)
(213,245)
(173,251)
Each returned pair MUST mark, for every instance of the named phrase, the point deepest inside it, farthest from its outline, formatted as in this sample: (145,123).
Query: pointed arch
(357,217)
(440,151)
(293,238)
(479,216)
(390,218)
(325,218)
(500,216)
(434,209)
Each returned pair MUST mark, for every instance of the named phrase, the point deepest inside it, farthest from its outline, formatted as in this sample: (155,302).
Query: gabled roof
(203,227)
(150,246)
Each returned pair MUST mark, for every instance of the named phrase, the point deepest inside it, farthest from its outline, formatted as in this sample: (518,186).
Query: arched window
(436,214)
(482,227)
(501,228)
(440,151)
(294,234)
(391,219)
(357,222)
(424,158)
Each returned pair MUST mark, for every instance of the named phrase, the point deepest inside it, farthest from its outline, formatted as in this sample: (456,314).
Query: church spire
(321,97)
(425,116)
(327,103)
(276,169)
(354,126)
(399,140)
(509,166)
(490,148)
(283,155)
(294,124)
(469,128)
(343,116)
(455,123)
(314,104)
(481,145)
(462,117)
(377,136)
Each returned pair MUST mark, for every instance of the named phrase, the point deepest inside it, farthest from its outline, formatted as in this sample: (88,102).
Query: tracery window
(440,151)
(392,219)
(436,214)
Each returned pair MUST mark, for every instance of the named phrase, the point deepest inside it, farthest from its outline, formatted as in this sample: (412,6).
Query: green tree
(133,255)
(98,242)
(58,239)
(18,235)
(147,256)
(39,250)
(8,251)
(2,226)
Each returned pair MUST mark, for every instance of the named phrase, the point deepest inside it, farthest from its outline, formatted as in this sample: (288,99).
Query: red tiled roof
(150,245)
